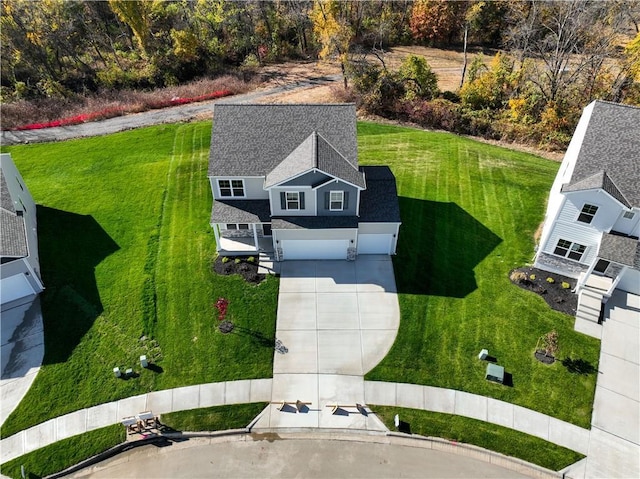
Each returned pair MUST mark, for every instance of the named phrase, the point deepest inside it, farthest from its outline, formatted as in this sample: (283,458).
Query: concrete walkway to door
(336,321)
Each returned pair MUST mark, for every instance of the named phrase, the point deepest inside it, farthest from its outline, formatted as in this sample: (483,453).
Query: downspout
(255,236)
(216,233)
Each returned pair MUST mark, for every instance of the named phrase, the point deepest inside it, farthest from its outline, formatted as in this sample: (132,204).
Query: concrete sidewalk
(159,402)
(483,408)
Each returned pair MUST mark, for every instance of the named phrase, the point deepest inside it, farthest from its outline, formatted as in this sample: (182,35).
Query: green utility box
(495,373)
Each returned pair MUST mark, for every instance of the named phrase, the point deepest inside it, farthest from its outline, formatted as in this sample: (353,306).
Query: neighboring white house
(285,178)
(20,280)
(592,223)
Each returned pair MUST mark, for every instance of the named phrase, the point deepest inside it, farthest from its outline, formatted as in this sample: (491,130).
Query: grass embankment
(218,418)
(125,251)
(469,212)
(489,436)
(66,453)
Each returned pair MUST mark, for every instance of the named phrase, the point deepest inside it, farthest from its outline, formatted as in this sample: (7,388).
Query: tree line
(555,55)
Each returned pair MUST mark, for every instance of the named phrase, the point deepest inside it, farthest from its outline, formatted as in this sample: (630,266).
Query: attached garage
(314,249)
(375,243)
(14,288)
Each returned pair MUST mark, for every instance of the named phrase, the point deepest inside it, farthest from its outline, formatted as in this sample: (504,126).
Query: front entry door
(266,229)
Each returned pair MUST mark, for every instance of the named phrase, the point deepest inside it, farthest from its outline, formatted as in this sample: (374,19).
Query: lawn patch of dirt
(556,293)
(239,265)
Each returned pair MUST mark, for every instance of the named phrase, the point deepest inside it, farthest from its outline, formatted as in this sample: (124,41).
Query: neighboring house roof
(13,240)
(315,153)
(620,249)
(379,202)
(609,156)
(252,140)
(241,211)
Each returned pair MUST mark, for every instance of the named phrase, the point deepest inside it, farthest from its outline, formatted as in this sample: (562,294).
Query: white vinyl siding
(630,281)
(253,188)
(586,236)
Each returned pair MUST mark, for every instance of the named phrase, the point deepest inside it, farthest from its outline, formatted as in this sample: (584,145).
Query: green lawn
(489,436)
(125,252)
(217,418)
(469,212)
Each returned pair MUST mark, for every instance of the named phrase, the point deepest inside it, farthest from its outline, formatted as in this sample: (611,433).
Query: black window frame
(587,213)
(569,249)
(231,189)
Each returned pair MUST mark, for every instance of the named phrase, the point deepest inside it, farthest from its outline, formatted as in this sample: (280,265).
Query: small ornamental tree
(222,306)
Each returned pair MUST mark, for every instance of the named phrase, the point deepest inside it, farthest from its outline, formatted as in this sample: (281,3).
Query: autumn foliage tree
(333,31)
(435,21)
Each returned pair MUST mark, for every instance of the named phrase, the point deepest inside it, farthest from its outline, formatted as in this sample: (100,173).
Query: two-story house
(20,270)
(285,179)
(592,223)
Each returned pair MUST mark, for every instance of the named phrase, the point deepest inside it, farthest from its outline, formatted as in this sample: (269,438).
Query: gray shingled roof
(315,152)
(241,211)
(313,222)
(252,140)
(620,249)
(598,180)
(379,202)
(13,240)
(611,145)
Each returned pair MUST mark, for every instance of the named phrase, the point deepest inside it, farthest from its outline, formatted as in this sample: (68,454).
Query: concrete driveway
(336,321)
(614,446)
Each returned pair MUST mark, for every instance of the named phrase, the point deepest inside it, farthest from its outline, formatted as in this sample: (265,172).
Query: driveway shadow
(438,247)
(70,247)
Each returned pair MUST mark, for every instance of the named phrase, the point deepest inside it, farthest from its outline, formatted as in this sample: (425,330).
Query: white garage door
(15,287)
(315,249)
(374,244)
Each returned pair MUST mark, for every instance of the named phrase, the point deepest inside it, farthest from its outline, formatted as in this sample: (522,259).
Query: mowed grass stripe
(100,203)
(465,226)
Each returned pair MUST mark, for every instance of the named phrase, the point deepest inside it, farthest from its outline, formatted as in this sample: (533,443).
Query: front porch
(244,246)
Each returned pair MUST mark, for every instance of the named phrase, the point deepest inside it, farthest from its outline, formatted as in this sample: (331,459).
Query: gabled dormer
(315,180)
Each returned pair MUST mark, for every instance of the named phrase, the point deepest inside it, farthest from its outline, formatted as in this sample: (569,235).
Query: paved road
(154,117)
(247,456)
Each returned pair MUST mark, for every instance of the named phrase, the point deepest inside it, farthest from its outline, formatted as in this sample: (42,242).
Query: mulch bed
(543,358)
(239,265)
(558,298)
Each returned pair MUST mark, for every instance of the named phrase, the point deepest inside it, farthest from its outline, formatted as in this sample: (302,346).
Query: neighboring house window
(237,226)
(231,188)
(587,213)
(292,200)
(336,199)
(569,250)
(628,215)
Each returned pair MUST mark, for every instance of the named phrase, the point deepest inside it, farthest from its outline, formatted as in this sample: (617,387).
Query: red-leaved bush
(222,305)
